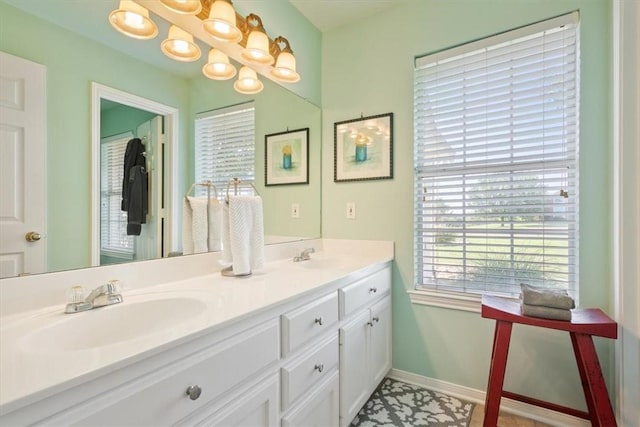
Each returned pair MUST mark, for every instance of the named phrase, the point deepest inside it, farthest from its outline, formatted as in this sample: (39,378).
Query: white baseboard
(477,396)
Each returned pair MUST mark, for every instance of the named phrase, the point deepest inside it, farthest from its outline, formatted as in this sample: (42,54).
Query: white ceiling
(328,14)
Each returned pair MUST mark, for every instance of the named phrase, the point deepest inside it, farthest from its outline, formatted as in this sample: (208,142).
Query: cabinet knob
(194,392)
(373,290)
(318,320)
(319,367)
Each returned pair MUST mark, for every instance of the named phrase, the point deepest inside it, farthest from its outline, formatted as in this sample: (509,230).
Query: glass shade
(221,23)
(180,46)
(257,49)
(187,7)
(218,66)
(248,82)
(285,69)
(133,20)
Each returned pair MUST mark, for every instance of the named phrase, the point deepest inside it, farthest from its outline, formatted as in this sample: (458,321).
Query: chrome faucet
(106,294)
(305,255)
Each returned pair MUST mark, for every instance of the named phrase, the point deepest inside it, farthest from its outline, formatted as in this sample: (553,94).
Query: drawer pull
(318,320)
(194,392)
(319,367)
(376,319)
(373,290)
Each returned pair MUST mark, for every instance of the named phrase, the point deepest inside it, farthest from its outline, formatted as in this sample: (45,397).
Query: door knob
(32,236)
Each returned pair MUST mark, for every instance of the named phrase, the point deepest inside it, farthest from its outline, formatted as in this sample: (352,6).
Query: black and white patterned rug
(398,404)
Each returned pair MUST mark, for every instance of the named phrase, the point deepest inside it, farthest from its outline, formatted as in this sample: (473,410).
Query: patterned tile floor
(396,403)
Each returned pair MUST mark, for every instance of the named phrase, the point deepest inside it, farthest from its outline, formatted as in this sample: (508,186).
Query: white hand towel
(199,224)
(246,233)
(215,225)
(187,218)
(227,257)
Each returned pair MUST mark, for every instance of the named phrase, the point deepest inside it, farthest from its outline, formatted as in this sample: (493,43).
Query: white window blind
(225,146)
(114,241)
(496,162)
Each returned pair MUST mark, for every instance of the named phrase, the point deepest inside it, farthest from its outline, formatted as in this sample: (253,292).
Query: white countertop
(34,366)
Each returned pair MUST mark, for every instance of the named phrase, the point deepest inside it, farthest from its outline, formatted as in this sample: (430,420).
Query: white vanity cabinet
(309,374)
(365,341)
(310,357)
(160,396)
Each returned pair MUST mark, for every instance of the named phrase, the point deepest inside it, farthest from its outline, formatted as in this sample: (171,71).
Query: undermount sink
(113,324)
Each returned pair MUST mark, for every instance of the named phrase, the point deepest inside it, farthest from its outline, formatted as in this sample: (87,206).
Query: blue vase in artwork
(286,157)
(361,153)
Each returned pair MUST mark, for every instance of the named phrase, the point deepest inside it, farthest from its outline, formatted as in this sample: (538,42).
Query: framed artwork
(363,148)
(286,157)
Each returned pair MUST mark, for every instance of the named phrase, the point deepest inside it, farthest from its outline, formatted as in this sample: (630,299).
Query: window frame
(120,252)
(245,145)
(461,299)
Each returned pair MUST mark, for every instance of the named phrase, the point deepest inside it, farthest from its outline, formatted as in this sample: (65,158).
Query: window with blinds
(496,162)
(114,241)
(225,146)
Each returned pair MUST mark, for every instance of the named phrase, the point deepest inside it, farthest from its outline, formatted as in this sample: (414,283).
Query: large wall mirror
(77,65)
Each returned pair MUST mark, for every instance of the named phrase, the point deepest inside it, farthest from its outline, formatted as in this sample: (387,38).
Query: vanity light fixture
(257,48)
(185,7)
(285,68)
(248,82)
(218,66)
(133,20)
(179,45)
(221,23)
(244,39)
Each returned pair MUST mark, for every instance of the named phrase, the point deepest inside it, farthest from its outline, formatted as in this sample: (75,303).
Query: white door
(149,244)
(22,166)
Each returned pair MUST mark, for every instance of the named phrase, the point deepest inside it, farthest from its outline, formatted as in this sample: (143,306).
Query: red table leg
(501,339)
(595,389)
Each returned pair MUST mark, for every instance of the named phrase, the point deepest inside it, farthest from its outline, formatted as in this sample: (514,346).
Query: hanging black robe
(134,187)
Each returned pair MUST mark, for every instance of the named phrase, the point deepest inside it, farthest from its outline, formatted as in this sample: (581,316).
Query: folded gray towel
(545,312)
(546,297)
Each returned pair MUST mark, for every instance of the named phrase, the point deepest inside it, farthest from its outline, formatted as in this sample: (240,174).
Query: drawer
(364,291)
(308,321)
(160,398)
(307,370)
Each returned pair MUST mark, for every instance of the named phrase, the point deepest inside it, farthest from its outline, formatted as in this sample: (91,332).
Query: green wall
(367,68)
(121,119)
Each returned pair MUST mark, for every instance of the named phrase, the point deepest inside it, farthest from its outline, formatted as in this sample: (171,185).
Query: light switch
(351,210)
(295,210)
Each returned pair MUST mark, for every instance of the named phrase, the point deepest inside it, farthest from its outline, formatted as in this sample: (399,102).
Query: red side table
(584,324)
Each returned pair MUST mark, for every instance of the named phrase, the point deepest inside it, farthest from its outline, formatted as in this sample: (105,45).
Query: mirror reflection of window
(225,147)
(115,245)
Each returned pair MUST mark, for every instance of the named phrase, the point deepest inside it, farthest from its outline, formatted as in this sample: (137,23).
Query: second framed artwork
(363,148)
(286,157)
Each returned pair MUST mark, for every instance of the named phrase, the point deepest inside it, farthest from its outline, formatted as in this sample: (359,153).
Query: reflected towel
(199,226)
(187,218)
(205,230)
(546,297)
(214,230)
(245,234)
(545,312)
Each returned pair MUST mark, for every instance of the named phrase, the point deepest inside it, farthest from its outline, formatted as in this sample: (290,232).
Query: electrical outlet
(351,210)
(295,210)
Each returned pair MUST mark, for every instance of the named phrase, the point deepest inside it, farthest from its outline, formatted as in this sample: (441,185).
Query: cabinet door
(255,407)
(319,409)
(380,355)
(354,369)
